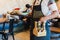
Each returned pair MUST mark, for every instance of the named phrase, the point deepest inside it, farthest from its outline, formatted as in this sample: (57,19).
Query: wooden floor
(23,35)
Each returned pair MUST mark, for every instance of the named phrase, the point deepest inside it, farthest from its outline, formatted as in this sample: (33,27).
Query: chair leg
(13,36)
(5,37)
(2,37)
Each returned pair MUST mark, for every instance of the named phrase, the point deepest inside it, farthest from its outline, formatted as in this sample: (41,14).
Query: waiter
(48,10)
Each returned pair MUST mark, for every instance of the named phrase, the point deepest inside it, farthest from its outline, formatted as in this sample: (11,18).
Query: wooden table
(55,29)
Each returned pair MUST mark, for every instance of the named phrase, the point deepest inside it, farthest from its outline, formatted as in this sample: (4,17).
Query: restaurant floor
(25,36)
(19,36)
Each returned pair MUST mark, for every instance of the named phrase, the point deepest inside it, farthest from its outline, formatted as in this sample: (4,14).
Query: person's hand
(59,14)
(24,19)
(43,19)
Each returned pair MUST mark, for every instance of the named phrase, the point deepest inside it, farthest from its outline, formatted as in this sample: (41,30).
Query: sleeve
(15,17)
(45,8)
(53,7)
(48,9)
(8,16)
(29,10)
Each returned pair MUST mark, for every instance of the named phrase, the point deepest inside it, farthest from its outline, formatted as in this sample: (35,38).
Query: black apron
(37,12)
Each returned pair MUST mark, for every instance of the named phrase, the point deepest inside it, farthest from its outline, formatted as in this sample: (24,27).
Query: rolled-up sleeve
(44,6)
(47,10)
(53,7)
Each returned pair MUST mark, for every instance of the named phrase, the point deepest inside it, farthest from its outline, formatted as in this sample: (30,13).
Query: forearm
(59,14)
(53,15)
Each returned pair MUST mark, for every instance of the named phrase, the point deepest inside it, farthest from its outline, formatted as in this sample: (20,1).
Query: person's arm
(59,14)
(31,9)
(53,14)
(54,11)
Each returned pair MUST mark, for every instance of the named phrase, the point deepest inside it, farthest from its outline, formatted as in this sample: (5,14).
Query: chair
(2,31)
(10,30)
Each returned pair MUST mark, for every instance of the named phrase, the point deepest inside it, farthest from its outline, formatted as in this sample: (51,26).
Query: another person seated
(13,14)
(28,16)
(25,16)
